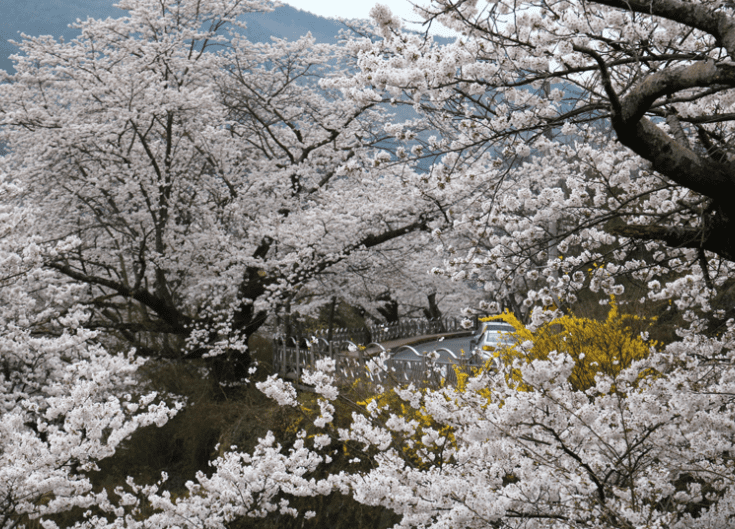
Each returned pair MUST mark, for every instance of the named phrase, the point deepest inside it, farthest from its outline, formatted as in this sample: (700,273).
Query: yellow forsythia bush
(596,346)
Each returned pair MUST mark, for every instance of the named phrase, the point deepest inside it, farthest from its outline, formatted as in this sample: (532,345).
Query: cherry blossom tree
(65,402)
(396,281)
(199,179)
(630,100)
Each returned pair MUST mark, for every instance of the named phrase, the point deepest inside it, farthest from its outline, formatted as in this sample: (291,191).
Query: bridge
(422,352)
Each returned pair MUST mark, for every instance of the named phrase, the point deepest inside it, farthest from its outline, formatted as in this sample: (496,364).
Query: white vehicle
(494,335)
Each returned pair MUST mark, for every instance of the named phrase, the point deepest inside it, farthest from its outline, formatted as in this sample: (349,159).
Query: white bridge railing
(372,362)
(406,328)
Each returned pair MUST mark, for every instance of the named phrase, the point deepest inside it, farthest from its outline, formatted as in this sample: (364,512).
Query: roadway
(455,342)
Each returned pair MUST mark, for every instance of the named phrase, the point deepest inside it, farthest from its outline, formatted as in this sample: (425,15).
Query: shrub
(596,346)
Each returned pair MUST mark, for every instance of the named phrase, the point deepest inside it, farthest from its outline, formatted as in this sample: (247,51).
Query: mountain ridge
(53,17)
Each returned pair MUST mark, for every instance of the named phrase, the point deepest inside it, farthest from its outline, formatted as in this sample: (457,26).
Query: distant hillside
(52,17)
(290,23)
(45,17)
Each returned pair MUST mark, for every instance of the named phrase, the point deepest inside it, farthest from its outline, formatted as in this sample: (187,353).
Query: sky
(358,8)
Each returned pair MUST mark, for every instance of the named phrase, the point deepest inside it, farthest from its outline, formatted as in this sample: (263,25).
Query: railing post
(283,359)
(298,361)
